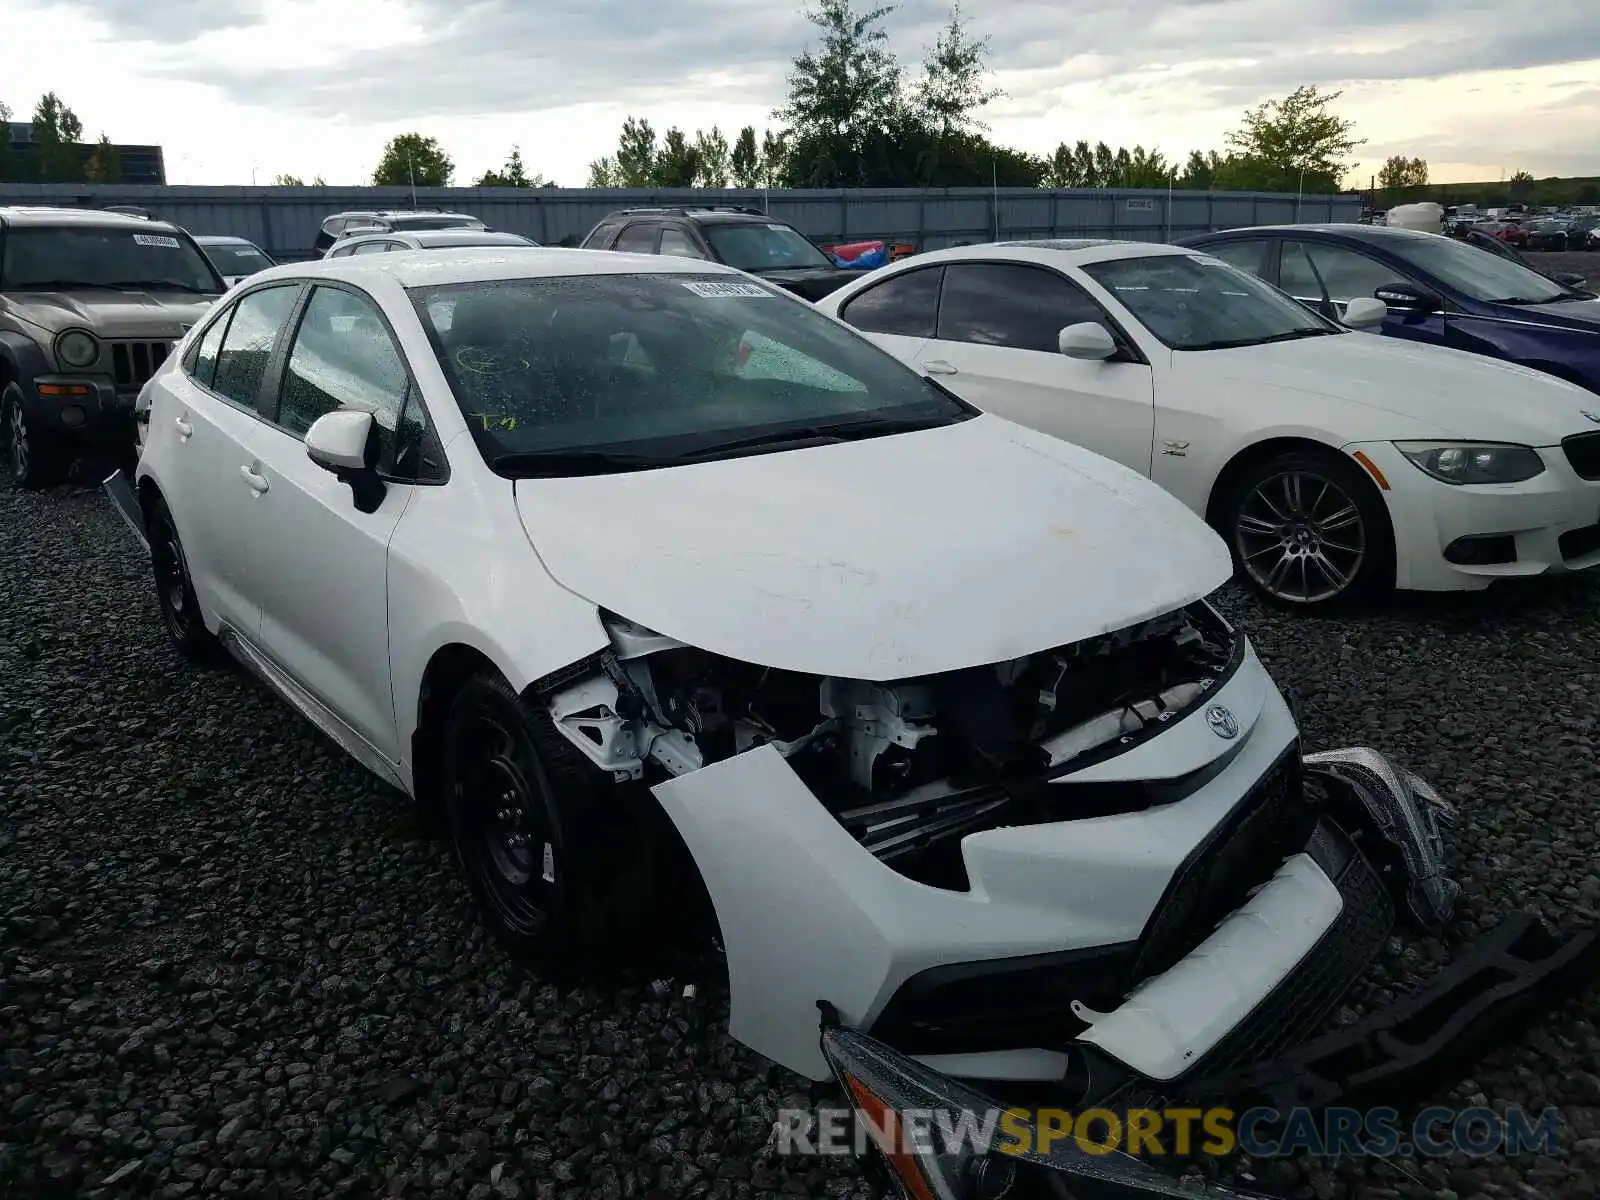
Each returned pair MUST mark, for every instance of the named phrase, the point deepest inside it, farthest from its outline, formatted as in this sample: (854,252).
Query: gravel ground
(229,963)
(1583,262)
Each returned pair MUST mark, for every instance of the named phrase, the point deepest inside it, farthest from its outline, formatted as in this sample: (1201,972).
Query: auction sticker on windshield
(714,289)
(156,239)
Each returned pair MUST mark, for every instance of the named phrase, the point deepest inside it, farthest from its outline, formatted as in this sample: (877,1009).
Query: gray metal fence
(284,221)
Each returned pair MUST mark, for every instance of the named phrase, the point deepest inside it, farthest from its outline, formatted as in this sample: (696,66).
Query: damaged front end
(1101,875)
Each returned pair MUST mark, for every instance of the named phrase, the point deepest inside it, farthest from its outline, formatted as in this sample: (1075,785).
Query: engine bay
(911,765)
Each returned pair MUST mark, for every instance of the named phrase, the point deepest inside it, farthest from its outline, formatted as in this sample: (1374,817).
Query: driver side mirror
(1087,340)
(1571,279)
(345,442)
(1365,313)
(1409,299)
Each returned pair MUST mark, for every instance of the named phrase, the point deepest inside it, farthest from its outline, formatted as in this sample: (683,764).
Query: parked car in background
(1335,464)
(1006,743)
(235,258)
(1437,290)
(1509,232)
(744,238)
(423,239)
(366,221)
(91,302)
(1546,234)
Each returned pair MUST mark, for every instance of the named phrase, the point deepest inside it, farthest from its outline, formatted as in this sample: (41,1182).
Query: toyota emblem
(1223,723)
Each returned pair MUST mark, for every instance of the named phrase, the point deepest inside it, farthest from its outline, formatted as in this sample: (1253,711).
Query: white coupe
(645,575)
(1334,463)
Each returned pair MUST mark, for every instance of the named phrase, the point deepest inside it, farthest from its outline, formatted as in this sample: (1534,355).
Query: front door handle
(184,428)
(938,366)
(257,481)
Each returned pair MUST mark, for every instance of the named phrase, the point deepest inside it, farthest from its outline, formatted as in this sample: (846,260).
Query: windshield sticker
(156,239)
(713,290)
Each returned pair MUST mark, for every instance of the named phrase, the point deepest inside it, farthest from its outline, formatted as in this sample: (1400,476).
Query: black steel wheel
(36,459)
(175,599)
(572,872)
(1309,530)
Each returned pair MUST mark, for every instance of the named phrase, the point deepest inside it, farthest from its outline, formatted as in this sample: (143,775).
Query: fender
(23,360)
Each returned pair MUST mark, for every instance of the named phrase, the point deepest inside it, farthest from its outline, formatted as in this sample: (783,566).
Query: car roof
(1377,234)
(443,237)
(221,239)
(730,213)
(473,264)
(388,213)
(22,216)
(1070,251)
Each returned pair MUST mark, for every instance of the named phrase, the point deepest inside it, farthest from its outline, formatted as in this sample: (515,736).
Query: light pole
(1299,192)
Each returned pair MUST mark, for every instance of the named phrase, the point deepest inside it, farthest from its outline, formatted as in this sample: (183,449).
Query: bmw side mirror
(1087,340)
(345,442)
(1365,313)
(1407,298)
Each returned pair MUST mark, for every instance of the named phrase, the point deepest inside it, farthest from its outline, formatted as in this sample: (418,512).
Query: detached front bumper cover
(119,490)
(1394,1057)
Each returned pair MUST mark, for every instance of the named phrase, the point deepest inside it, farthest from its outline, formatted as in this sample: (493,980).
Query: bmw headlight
(76,349)
(1473,462)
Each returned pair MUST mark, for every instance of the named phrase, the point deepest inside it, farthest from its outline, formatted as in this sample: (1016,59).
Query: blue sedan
(1438,290)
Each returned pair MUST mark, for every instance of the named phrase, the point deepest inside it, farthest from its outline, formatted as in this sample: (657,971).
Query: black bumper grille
(1580,543)
(1294,1010)
(1269,825)
(1583,453)
(132,363)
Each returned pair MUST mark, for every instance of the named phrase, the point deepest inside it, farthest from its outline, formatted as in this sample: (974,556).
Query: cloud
(1434,76)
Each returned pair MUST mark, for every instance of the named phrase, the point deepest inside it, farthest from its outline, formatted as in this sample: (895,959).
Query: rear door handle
(938,366)
(184,428)
(257,481)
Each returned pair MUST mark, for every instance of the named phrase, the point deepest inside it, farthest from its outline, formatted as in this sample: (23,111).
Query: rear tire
(180,611)
(571,872)
(37,459)
(1309,531)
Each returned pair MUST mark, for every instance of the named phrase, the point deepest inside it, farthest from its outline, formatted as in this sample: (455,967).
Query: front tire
(569,870)
(180,611)
(1308,530)
(37,460)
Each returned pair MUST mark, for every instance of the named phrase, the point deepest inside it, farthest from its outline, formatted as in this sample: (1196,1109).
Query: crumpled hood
(111,312)
(879,559)
(1408,389)
(810,283)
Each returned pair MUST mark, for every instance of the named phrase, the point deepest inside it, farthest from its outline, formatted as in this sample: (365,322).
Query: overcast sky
(235,88)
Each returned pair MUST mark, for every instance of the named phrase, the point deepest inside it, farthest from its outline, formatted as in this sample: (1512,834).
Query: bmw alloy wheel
(1300,536)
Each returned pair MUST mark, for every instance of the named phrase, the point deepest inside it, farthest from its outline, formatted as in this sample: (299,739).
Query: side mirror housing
(1365,313)
(1410,299)
(1571,279)
(1087,340)
(345,442)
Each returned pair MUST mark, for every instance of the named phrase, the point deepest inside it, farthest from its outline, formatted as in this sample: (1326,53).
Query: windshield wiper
(830,434)
(1525,301)
(544,464)
(165,284)
(1288,335)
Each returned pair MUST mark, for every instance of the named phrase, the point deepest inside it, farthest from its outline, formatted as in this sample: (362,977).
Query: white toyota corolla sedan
(1335,464)
(629,566)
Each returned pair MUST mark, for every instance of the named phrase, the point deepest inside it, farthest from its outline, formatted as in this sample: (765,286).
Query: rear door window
(253,334)
(639,238)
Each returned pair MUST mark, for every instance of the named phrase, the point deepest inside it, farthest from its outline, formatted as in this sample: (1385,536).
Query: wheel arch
(1273,447)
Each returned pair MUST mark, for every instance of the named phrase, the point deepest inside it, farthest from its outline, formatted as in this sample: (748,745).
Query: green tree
(744,160)
(1295,144)
(7,162)
(514,174)
(604,173)
(711,151)
(774,157)
(678,163)
(56,134)
(412,160)
(1400,175)
(840,95)
(953,86)
(636,154)
(297,181)
(105,163)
